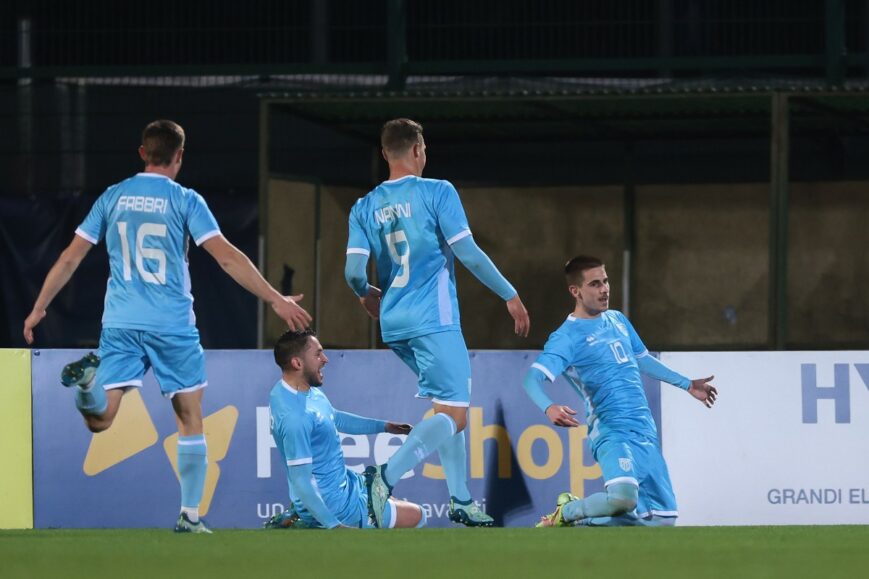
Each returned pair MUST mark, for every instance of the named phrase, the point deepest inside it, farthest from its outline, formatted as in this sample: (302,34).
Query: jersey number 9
(403,260)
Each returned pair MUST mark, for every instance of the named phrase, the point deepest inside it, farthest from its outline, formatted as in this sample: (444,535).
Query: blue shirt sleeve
(295,438)
(479,264)
(556,357)
(200,221)
(355,274)
(349,423)
(93,228)
(301,479)
(357,241)
(451,217)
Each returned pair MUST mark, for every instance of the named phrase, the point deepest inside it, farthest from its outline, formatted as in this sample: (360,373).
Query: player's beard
(313,377)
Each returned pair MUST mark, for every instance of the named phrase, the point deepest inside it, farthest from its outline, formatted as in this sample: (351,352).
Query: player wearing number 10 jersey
(148,322)
(414,227)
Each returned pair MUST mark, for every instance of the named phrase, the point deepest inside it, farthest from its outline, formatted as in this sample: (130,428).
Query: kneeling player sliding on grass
(324,492)
(602,356)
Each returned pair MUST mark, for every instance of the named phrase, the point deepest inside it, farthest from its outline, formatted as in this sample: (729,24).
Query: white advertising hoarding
(786,443)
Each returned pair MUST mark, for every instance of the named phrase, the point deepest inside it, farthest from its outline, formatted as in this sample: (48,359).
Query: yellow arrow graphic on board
(132,432)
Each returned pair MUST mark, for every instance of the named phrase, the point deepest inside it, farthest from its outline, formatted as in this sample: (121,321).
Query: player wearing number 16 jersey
(148,322)
(413,227)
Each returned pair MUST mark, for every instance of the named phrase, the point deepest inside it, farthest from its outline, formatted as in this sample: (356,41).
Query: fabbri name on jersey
(142,203)
(392,212)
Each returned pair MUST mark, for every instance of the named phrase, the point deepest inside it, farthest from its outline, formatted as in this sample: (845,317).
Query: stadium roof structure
(583,108)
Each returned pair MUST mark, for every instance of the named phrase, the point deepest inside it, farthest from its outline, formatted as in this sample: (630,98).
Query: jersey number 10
(142,253)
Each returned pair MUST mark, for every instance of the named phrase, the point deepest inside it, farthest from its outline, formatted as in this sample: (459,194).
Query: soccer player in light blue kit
(601,356)
(414,227)
(148,322)
(305,426)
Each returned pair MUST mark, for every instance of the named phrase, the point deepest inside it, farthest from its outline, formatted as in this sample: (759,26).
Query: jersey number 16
(142,253)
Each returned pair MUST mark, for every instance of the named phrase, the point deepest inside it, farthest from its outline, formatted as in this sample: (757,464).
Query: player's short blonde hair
(161,140)
(399,135)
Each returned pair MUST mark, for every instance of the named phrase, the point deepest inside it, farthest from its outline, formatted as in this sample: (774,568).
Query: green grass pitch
(627,553)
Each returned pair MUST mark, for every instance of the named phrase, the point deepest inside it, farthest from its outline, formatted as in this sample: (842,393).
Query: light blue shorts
(638,461)
(177,359)
(441,362)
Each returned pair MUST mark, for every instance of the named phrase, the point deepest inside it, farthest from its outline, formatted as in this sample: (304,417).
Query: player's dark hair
(291,345)
(399,135)
(574,269)
(161,140)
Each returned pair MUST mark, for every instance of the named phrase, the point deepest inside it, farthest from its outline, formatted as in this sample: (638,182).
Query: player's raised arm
(58,276)
(242,270)
(478,263)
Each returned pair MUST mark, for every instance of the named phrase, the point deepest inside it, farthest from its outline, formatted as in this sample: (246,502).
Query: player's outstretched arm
(479,264)
(558,415)
(58,276)
(703,391)
(300,477)
(242,270)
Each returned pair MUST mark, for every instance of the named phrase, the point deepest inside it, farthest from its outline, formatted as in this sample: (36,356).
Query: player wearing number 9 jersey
(148,322)
(413,227)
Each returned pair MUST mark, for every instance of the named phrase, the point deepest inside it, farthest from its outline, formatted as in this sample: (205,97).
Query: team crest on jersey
(625,464)
(622,328)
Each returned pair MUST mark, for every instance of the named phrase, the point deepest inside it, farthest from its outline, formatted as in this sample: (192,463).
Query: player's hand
(31,322)
(703,391)
(521,321)
(396,428)
(291,312)
(562,416)
(371,302)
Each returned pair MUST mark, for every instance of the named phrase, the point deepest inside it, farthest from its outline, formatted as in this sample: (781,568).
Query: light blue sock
(425,437)
(617,500)
(91,401)
(192,465)
(454,459)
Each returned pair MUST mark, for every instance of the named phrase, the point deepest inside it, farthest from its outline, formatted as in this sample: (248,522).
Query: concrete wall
(700,263)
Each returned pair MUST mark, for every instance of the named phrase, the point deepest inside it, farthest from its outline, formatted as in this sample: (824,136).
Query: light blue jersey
(409,225)
(303,427)
(598,357)
(146,222)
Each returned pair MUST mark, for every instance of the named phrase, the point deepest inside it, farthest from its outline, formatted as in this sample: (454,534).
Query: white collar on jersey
(288,387)
(143,174)
(399,180)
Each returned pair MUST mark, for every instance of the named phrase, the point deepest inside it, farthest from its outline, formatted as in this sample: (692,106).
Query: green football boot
(378,493)
(469,514)
(81,372)
(185,525)
(556,518)
(288,519)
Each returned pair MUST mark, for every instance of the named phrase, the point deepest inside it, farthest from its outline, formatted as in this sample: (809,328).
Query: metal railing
(661,38)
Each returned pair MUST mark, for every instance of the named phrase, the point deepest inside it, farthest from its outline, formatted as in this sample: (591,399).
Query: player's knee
(622,498)
(622,505)
(423,520)
(461,421)
(96,425)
